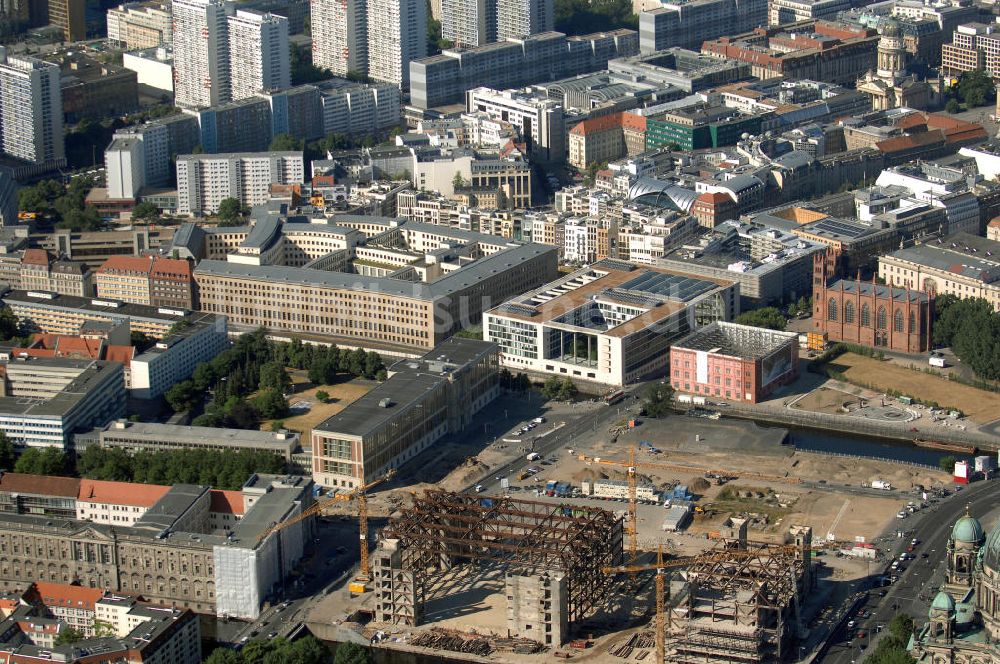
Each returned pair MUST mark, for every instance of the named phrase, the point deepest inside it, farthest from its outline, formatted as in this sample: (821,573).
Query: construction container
(357,587)
(816,340)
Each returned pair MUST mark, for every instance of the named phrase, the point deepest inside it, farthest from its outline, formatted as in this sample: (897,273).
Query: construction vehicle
(661,567)
(632,466)
(359,585)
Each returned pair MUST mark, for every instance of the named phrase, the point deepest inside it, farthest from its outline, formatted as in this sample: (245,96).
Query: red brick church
(869,314)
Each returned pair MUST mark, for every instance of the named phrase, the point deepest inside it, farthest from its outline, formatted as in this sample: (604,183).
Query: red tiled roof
(226,502)
(713,197)
(40,485)
(171,267)
(902,143)
(35,257)
(121,493)
(126,264)
(598,124)
(633,122)
(123,354)
(994,222)
(63,595)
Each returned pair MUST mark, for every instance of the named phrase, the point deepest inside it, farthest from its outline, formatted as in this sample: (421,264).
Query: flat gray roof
(366,415)
(94,373)
(87,305)
(165,512)
(961,254)
(743,341)
(200,435)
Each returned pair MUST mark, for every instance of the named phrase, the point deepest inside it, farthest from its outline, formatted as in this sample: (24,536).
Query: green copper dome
(968,529)
(943,602)
(990,553)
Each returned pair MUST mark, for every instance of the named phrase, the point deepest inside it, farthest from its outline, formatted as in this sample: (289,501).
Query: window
(866,316)
(881,319)
(897,321)
(831,309)
(913,323)
(848,312)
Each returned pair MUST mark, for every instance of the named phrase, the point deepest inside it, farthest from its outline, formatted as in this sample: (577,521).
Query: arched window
(848,312)
(897,321)
(831,309)
(881,320)
(913,322)
(866,316)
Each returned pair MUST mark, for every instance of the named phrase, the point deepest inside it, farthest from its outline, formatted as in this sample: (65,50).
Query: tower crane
(361,493)
(661,567)
(632,466)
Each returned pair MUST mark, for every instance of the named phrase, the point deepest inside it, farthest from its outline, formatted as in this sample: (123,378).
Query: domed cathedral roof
(942,602)
(990,553)
(890,28)
(968,529)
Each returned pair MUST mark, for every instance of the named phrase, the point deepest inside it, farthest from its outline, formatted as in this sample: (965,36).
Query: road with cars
(918,579)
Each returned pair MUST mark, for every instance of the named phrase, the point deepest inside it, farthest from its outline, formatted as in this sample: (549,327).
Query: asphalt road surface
(917,585)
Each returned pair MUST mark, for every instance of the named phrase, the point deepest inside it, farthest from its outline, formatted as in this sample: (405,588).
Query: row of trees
(307,650)
(972,329)
(767,317)
(518,383)
(219,469)
(564,389)
(891,647)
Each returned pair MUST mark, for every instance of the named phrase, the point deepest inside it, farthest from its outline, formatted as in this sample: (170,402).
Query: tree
(50,461)
(145,211)
(9,326)
(273,375)
(580,17)
(69,635)
(230,211)
(352,653)
(658,398)
(302,68)
(567,390)
(953,106)
(271,404)
(458,181)
(285,143)
(550,389)
(947,463)
(181,396)
(901,627)
(766,317)
(975,87)
(141,341)
(372,365)
(224,656)
(323,396)
(8,455)
(243,415)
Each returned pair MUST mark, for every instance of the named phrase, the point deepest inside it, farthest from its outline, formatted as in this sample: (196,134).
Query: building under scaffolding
(553,558)
(744,608)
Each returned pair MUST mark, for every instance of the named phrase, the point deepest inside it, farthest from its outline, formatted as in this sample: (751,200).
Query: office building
(139,25)
(174,357)
(517,19)
(816,50)
(357,294)
(444,79)
(137,631)
(782,12)
(154,437)
(44,401)
(734,362)
(237,126)
(31,116)
(71,17)
(212,565)
(204,181)
(201,53)
(540,122)
(868,313)
(962,265)
(469,22)
(150,280)
(973,46)
(609,324)
(423,400)
(153,67)
(355,108)
(688,23)
(51,313)
(297,112)
(95,89)
(397,35)
(258,53)
(340,35)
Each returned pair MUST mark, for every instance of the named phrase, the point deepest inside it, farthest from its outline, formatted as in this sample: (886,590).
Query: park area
(980,406)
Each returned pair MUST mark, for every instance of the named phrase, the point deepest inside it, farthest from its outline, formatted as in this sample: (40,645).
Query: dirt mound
(588,474)
(698,485)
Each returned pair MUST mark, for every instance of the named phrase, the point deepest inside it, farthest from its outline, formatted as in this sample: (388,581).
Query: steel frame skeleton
(443,529)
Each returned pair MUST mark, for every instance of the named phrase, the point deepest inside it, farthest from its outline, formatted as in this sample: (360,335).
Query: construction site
(516,573)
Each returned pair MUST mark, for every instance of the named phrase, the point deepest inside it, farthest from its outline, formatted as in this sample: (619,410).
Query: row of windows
(880,316)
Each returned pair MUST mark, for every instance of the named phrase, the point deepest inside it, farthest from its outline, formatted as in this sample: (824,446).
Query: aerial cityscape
(499,331)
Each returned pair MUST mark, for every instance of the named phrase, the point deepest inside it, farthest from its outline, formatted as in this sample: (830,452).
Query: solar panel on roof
(673,286)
